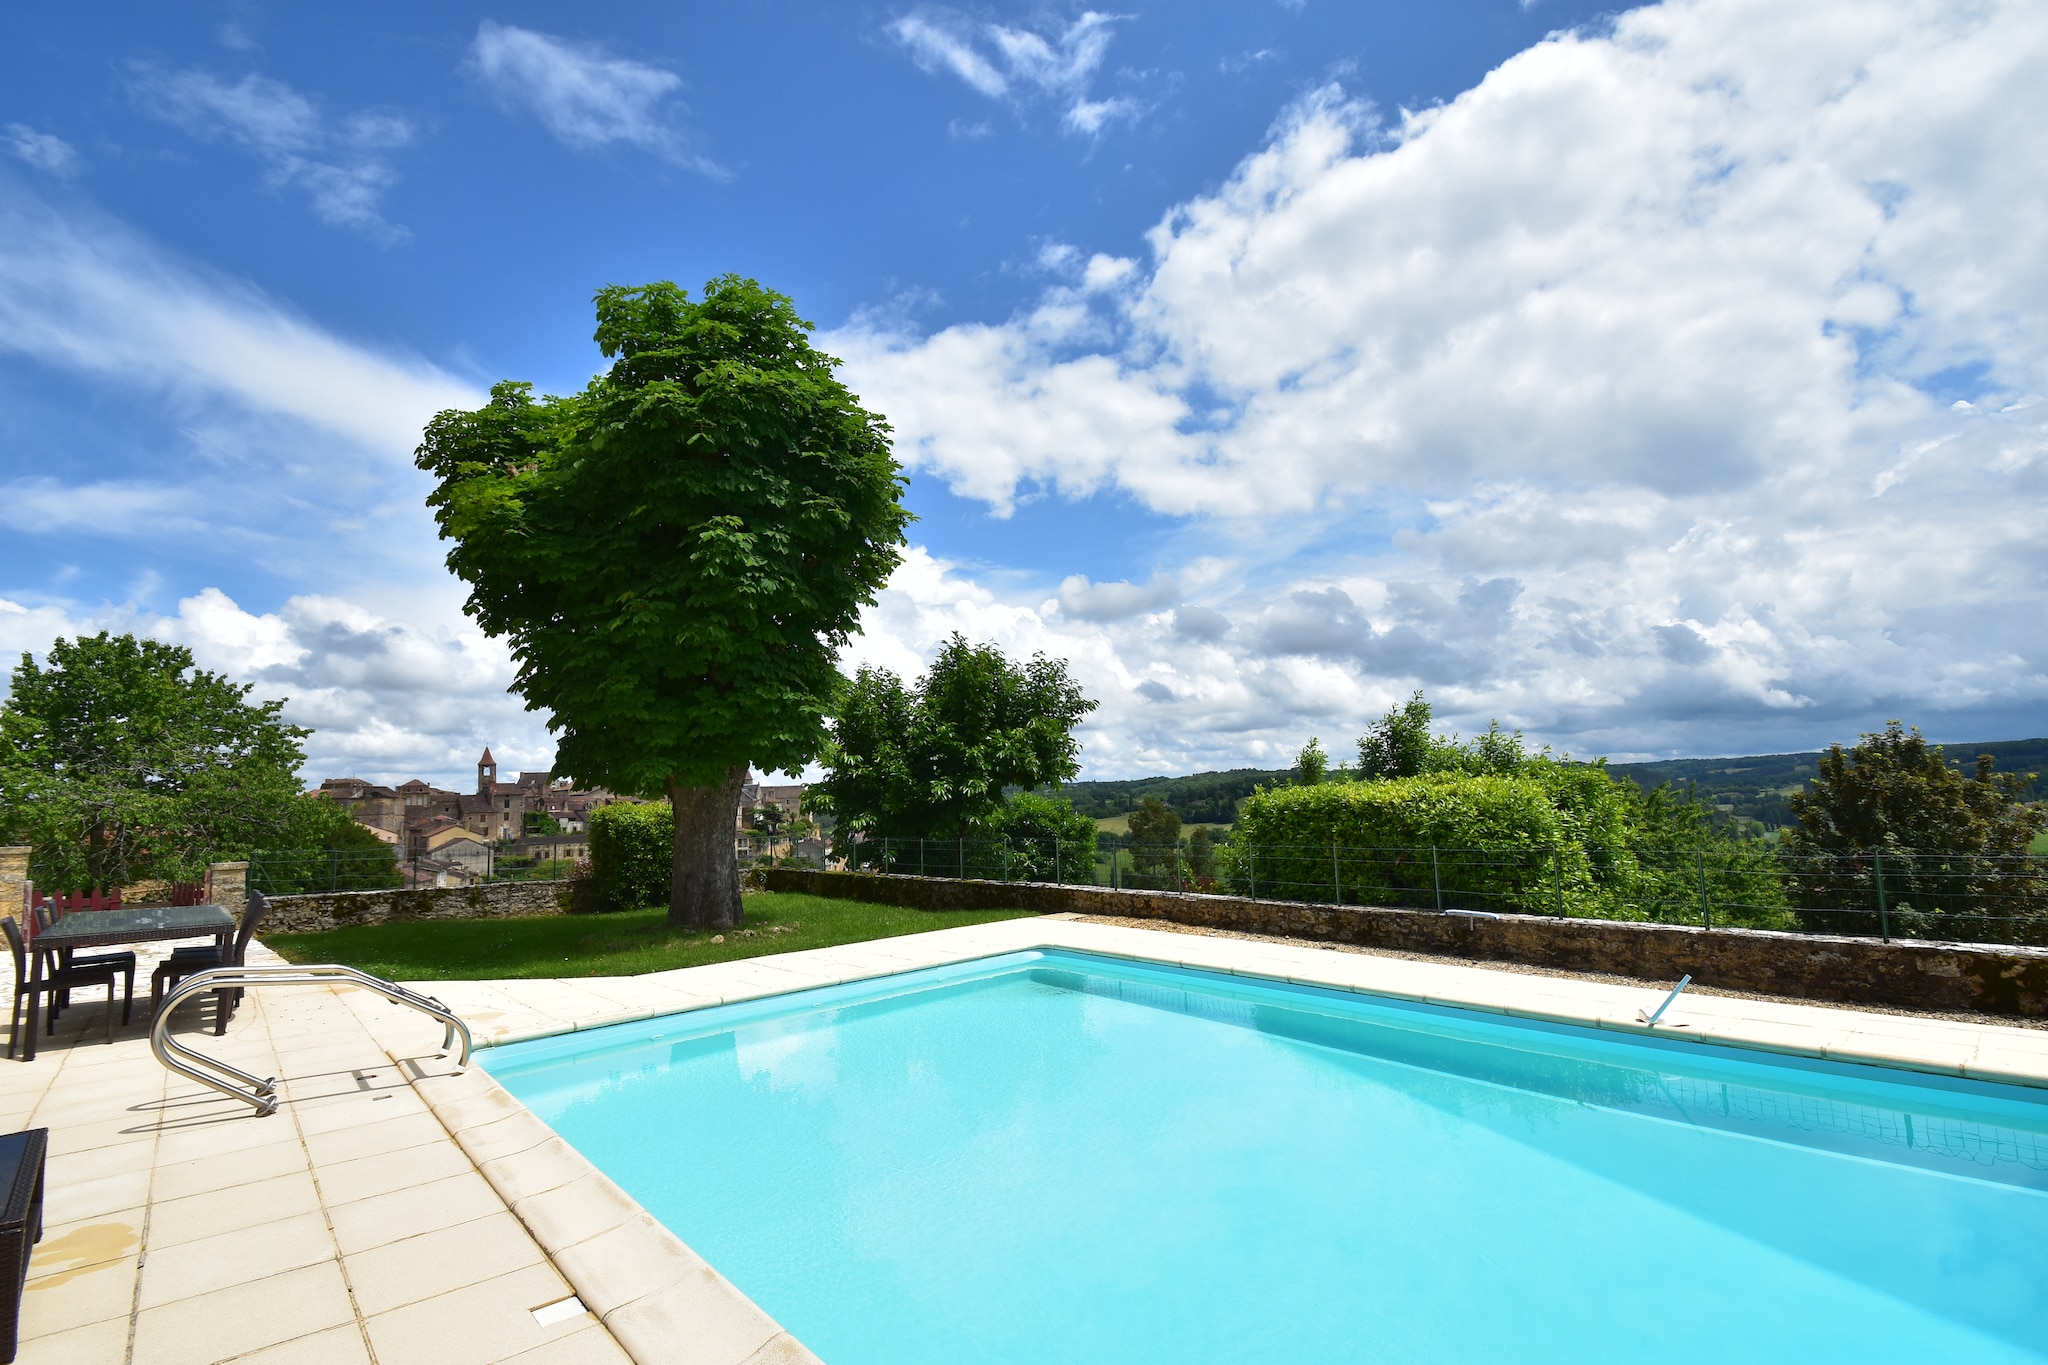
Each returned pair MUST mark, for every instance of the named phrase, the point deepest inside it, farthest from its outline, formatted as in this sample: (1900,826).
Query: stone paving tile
(336,1346)
(391,1135)
(366,1177)
(368,1223)
(215,1212)
(404,1272)
(201,1175)
(477,1325)
(78,1297)
(234,1321)
(592,1345)
(89,1345)
(226,1259)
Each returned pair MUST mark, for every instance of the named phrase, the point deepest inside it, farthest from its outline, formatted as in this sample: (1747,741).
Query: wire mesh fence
(1879,893)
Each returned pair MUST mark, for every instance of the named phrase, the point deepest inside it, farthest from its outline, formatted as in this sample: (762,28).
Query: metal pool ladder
(262,1091)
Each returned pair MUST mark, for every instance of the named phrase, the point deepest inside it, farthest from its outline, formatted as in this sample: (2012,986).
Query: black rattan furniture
(184,962)
(21,1223)
(104,927)
(123,963)
(31,984)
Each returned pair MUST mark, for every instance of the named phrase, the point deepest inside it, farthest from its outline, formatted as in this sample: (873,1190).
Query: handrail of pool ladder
(262,1090)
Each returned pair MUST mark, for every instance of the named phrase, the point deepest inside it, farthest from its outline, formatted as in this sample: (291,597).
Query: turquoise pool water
(1049,1157)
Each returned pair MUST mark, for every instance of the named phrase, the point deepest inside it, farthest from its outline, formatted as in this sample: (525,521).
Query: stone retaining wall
(1992,979)
(341,909)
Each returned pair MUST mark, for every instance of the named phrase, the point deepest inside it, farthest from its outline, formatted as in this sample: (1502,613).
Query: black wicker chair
(184,962)
(123,962)
(55,980)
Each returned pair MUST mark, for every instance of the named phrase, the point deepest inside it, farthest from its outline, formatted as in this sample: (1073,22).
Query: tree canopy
(120,761)
(1896,790)
(934,758)
(1155,836)
(1401,744)
(677,553)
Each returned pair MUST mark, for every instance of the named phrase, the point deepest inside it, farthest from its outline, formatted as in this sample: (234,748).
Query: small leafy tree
(677,553)
(1154,838)
(933,760)
(1311,763)
(1201,854)
(1400,744)
(120,760)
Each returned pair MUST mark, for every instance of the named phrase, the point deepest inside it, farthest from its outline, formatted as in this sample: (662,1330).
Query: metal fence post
(1056,860)
(1884,928)
(1706,906)
(960,858)
(1251,865)
(1178,885)
(1436,879)
(1336,878)
(1557,877)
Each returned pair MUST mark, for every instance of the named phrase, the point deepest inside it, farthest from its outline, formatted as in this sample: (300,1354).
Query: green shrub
(632,854)
(1369,842)
(1048,839)
(1554,838)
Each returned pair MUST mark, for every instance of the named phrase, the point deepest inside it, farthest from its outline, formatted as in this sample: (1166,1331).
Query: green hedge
(632,854)
(1554,840)
(1369,843)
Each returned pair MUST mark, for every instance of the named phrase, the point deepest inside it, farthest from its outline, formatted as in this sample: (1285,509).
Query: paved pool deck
(398,1210)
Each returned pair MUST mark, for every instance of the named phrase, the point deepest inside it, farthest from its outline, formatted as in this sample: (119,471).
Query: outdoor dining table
(101,928)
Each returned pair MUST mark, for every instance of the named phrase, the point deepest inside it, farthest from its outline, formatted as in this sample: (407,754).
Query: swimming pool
(1050,1156)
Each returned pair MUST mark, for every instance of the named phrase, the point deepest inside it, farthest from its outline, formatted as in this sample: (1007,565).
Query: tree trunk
(704,885)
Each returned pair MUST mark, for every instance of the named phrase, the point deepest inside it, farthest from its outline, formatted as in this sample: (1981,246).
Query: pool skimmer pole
(1651,1019)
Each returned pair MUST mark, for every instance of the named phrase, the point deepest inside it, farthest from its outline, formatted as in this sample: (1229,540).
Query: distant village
(450,838)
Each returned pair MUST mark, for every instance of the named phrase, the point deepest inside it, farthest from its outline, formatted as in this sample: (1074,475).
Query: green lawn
(622,944)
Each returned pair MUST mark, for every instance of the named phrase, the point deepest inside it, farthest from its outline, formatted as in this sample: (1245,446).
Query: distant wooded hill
(1755,788)
(1203,799)
(1752,789)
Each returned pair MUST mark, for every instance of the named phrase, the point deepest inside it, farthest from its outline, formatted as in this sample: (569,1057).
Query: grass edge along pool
(1468,1099)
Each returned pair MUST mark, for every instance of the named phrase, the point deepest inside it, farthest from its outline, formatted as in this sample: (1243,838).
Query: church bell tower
(486,774)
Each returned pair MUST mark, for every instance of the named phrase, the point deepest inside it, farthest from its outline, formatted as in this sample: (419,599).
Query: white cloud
(1639,351)
(44,151)
(92,296)
(386,699)
(282,454)
(1017,64)
(584,96)
(1085,601)
(340,170)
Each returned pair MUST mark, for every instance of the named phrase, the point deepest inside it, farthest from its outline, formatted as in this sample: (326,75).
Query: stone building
(415,812)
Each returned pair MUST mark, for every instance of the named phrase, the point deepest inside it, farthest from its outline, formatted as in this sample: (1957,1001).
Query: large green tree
(933,759)
(1895,790)
(677,553)
(119,761)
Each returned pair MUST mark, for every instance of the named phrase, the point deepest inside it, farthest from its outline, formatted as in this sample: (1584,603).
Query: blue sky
(1661,381)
